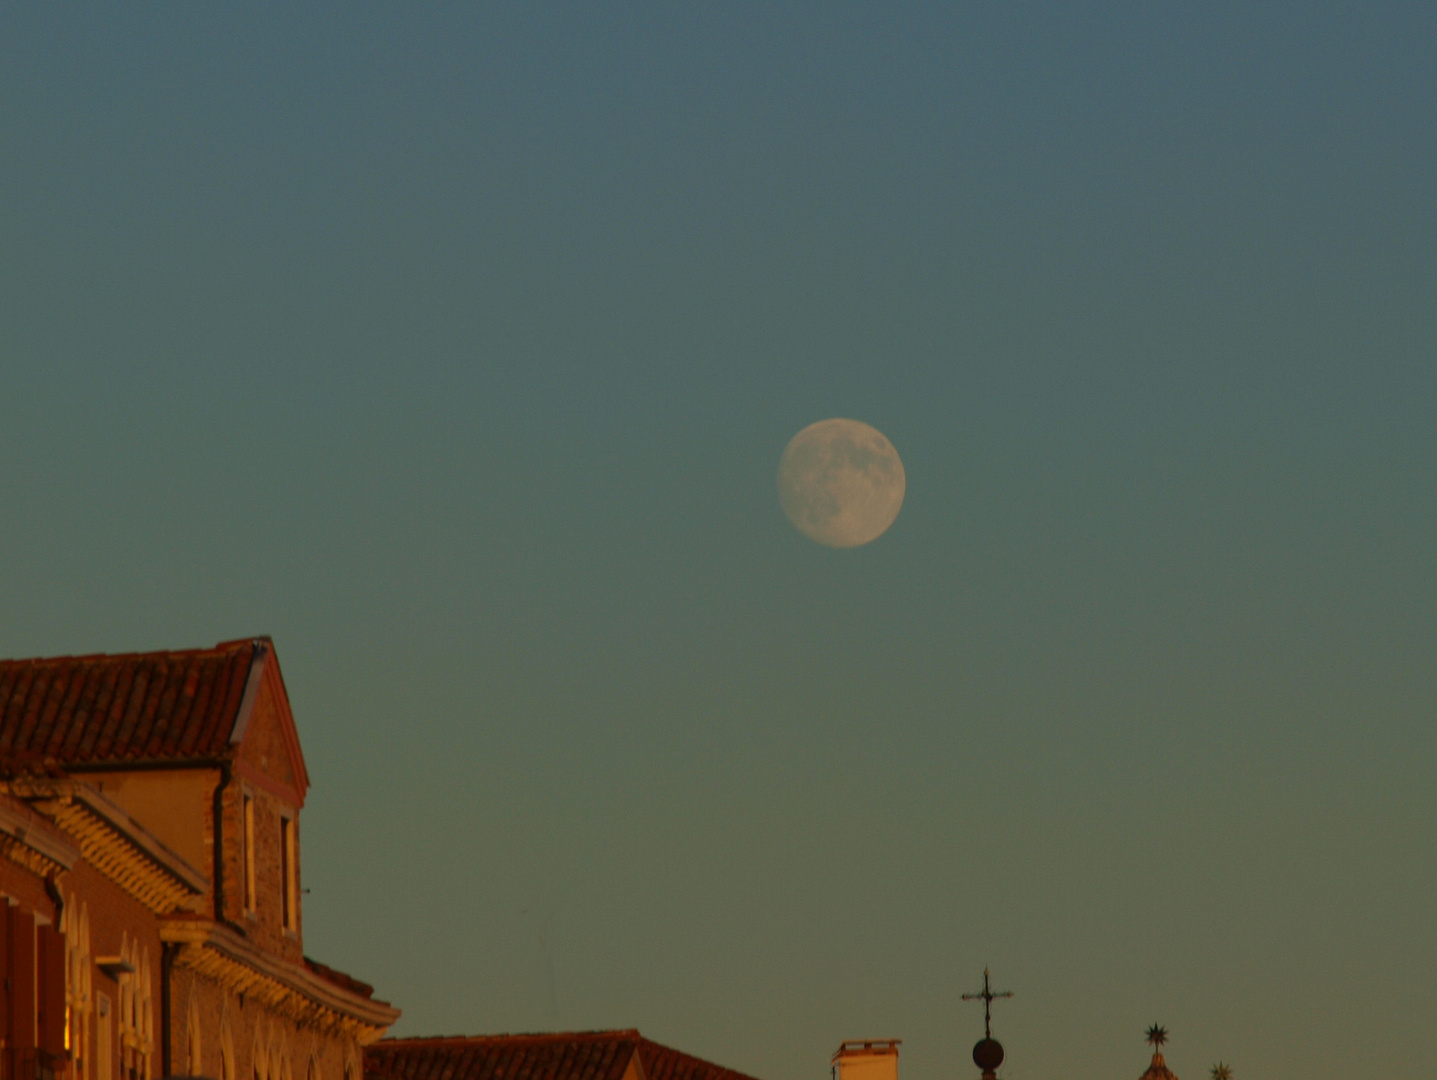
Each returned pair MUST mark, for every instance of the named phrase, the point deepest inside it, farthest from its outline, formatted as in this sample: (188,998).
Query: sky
(455,347)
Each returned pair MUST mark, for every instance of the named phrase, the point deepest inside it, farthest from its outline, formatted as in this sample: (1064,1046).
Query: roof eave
(370,1016)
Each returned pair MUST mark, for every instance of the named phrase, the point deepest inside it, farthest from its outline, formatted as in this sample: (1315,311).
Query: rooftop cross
(987,997)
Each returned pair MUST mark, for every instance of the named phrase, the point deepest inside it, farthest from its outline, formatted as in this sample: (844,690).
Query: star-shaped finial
(1221,1072)
(1157,1035)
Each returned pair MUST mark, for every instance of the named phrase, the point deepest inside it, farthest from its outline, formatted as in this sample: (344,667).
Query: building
(582,1055)
(154,920)
(865,1059)
(150,810)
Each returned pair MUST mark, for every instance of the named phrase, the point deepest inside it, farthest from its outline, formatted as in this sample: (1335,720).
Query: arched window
(144,1019)
(129,976)
(259,1054)
(75,925)
(278,1056)
(137,1015)
(227,1048)
(193,1057)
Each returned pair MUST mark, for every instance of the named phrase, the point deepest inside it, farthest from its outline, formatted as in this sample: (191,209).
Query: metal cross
(987,997)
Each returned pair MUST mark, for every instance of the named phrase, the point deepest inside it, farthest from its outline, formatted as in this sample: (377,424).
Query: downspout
(226,776)
(52,890)
(167,966)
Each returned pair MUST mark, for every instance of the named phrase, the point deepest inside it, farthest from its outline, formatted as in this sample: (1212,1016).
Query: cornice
(33,842)
(218,951)
(114,843)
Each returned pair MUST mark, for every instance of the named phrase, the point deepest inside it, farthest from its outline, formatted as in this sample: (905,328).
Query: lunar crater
(841,482)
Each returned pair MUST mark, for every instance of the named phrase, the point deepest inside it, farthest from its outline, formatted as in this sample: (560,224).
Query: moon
(841,483)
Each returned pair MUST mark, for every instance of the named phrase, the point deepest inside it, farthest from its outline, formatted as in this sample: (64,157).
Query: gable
(266,744)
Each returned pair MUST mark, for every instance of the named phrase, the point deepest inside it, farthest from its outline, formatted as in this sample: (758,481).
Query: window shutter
(5,976)
(50,967)
(22,980)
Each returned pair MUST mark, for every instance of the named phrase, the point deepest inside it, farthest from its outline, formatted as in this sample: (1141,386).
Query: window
(259,1057)
(75,923)
(193,1057)
(248,852)
(144,1020)
(125,1018)
(288,893)
(278,1055)
(104,1059)
(227,1048)
(136,1016)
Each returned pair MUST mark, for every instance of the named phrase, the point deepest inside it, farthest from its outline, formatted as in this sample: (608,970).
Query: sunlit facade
(150,822)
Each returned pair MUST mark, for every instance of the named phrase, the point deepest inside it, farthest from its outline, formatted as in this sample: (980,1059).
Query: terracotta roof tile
(582,1055)
(665,1063)
(339,978)
(596,1055)
(161,706)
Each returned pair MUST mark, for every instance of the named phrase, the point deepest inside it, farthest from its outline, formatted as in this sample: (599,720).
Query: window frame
(247,813)
(289,873)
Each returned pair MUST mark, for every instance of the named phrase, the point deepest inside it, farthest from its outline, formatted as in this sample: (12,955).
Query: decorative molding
(34,843)
(220,953)
(116,844)
(257,778)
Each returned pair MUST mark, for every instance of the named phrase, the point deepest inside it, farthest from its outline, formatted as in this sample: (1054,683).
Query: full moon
(841,483)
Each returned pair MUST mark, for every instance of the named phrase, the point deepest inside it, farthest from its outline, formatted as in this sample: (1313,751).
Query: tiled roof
(339,978)
(664,1063)
(582,1055)
(591,1055)
(161,706)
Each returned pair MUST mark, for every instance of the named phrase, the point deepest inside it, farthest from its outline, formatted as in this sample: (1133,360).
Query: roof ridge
(223,646)
(594,1035)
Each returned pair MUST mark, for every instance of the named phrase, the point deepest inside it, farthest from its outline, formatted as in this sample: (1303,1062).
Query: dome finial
(988,1051)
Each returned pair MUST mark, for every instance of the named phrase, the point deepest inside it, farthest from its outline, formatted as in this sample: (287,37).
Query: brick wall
(264,1045)
(264,925)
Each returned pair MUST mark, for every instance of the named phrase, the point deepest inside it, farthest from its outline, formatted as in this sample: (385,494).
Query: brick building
(153,924)
(150,822)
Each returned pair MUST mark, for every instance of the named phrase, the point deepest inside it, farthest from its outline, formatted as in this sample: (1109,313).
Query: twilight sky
(456,350)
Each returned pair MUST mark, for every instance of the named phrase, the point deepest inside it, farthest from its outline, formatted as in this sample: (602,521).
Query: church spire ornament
(1157,1037)
(988,1051)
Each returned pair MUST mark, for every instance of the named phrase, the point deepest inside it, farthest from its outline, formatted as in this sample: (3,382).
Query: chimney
(866,1059)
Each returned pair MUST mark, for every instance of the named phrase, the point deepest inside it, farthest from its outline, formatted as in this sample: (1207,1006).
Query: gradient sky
(456,350)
